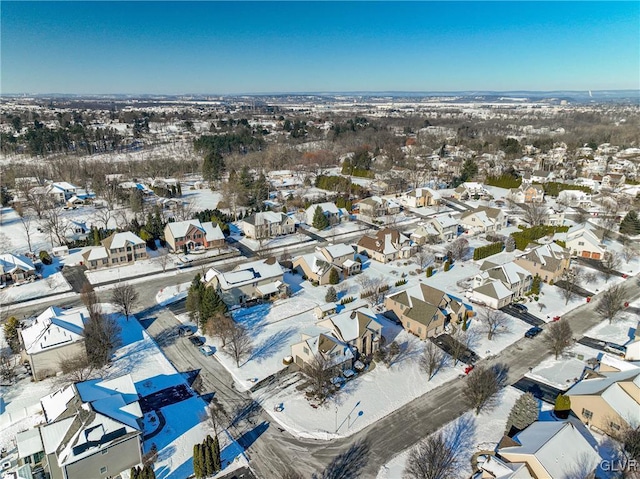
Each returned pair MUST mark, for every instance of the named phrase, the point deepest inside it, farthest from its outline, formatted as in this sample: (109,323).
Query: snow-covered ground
(52,284)
(277,242)
(565,371)
(482,432)
(340,229)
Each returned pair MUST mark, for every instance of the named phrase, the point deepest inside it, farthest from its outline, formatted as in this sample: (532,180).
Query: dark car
(520,307)
(196,340)
(184,331)
(533,332)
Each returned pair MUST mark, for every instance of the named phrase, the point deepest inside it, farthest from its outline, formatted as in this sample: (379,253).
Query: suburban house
(612,180)
(424,310)
(421,197)
(527,194)
(438,229)
(608,399)
(259,279)
(358,328)
(575,198)
(549,261)
(471,190)
(545,449)
(386,245)
(267,224)
(319,345)
(555,217)
(193,235)
(15,268)
(584,242)
(54,336)
(483,219)
(497,285)
(317,266)
(61,192)
(117,249)
(542,176)
(93,430)
(329,210)
(376,207)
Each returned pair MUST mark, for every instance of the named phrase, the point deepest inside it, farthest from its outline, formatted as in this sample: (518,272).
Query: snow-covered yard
(277,242)
(55,283)
(564,372)
(482,432)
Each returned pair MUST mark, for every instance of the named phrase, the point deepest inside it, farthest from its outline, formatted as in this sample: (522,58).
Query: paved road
(526,317)
(272,450)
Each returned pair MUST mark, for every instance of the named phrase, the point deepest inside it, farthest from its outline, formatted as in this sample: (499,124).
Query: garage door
(586,254)
(595,255)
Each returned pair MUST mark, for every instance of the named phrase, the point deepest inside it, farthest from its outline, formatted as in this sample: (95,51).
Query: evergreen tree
(96,236)
(630,224)
(334,276)
(320,221)
(208,458)
(217,461)
(523,413)
(332,295)
(135,473)
(197,461)
(212,166)
(148,473)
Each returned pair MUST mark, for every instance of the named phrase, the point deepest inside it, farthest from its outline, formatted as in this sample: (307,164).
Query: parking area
(522,315)
(451,346)
(165,397)
(540,390)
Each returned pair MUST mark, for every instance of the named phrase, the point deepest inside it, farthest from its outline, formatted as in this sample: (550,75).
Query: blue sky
(257,47)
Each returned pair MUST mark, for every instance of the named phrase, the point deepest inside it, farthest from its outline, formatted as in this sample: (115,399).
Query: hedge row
(488,250)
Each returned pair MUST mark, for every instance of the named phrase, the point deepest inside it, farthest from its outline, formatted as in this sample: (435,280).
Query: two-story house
(329,210)
(496,285)
(438,229)
(424,310)
(193,235)
(376,207)
(317,266)
(267,224)
(421,197)
(471,190)
(584,241)
(527,194)
(259,279)
(118,249)
(549,261)
(483,219)
(386,245)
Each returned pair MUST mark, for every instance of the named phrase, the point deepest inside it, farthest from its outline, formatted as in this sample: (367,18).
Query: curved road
(273,452)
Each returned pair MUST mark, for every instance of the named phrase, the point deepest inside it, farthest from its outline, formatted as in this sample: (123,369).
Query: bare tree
(611,262)
(319,373)
(493,322)
(483,384)
(629,253)
(535,214)
(163,259)
(611,303)
(558,337)
(572,278)
(7,366)
(76,368)
(101,338)
(215,416)
(54,225)
(459,249)
(373,288)
(239,345)
(90,299)
(103,216)
(424,257)
(184,210)
(125,297)
(433,359)
(25,220)
(220,326)
(581,216)
(441,455)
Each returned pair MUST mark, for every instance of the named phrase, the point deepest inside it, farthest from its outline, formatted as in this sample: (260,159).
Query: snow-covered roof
(558,446)
(55,327)
(29,442)
(340,249)
(623,403)
(350,325)
(493,289)
(10,262)
(55,403)
(269,288)
(179,229)
(246,273)
(120,240)
(97,253)
(212,232)
(64,186)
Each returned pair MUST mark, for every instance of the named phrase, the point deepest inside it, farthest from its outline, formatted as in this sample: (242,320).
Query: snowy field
(564,372)
(481,432)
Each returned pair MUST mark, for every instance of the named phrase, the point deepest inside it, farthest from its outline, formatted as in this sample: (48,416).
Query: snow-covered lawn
(53,284)
(483,432)
(340,229)
(621,331)
(565,371)
(277,242)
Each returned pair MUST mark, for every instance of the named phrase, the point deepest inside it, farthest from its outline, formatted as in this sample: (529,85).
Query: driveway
(165,397)
(596,264)
(448,344)
(76,278)
(526,317)
(576,289)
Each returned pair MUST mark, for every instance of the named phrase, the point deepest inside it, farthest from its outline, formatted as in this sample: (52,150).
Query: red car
(468,369)
(556,318)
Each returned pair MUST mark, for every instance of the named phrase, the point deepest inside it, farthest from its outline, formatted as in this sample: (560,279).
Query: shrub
(488,250)
(429,271)
(535,285)
(562,406)
(401,282)
(334,276)
(347,300)
(447,266)
(45,258)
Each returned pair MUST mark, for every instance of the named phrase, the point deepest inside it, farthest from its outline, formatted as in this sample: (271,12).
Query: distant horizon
(253,48)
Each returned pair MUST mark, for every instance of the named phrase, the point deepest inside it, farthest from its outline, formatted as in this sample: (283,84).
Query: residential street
(270,449)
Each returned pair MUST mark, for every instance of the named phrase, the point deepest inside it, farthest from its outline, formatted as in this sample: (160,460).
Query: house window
(586,413)
(419,330)
(614,426)
(115,260)
(306,350)
(103,470)
(104,261)
(104,451)
(580,243)
(408,324)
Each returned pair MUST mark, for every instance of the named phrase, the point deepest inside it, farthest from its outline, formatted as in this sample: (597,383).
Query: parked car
(196,340)
(207,350)
(615,349)
(520,307)
(184,331)
(533,332)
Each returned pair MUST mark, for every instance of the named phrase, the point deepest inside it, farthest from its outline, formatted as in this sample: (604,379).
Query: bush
(447,266)
(529,235)
(334,276)
(331,296)
(429,271)
(401,282)
(562,406)
(347,300)
(45,258)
